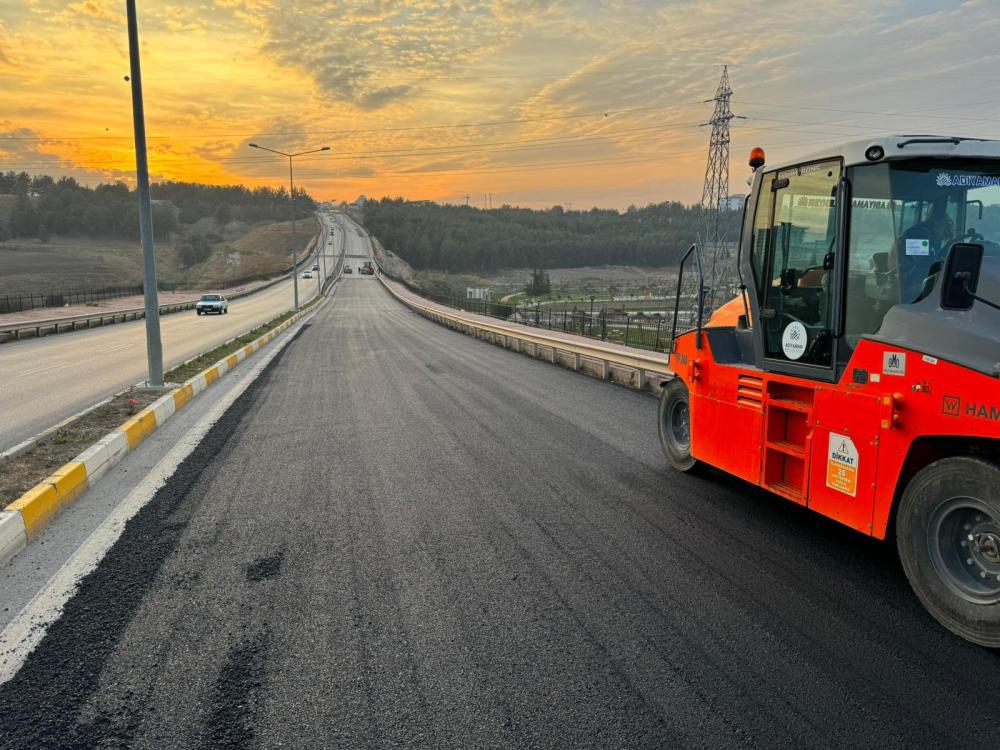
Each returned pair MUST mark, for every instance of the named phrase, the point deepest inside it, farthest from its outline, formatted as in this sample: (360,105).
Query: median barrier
(25,518)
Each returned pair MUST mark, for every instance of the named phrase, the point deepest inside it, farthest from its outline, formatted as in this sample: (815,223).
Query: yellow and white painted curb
(25,518)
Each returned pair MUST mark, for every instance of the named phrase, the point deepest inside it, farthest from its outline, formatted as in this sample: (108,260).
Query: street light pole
(295,261)
(154,346)
(291,203)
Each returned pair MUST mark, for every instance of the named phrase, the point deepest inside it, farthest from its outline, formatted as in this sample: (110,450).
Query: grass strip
(188,370)
(20,474)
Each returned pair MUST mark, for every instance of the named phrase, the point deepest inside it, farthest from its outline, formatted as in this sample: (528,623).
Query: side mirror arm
(966,279)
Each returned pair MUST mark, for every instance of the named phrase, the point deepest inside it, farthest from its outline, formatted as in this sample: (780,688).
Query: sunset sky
(536,101)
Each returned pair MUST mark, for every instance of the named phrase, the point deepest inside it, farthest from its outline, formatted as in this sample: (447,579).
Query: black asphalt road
(404,537)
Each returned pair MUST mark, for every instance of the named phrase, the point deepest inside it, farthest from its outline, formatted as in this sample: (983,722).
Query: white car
(212,303)
(307,275)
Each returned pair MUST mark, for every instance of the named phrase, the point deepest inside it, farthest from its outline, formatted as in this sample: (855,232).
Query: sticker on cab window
(842,465)
(793,340)
(918,247)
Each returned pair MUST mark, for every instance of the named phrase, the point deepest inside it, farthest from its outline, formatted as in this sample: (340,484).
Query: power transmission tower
(715,193)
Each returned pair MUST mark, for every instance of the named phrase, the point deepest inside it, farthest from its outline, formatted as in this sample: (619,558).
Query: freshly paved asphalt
(47,379)
(400,536)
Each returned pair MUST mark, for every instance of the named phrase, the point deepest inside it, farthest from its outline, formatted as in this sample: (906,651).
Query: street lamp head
(325,148)
(253,145)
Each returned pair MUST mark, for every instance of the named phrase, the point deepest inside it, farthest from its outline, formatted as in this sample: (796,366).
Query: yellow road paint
(138,427)
(39,504)
(44,500)
(182,395)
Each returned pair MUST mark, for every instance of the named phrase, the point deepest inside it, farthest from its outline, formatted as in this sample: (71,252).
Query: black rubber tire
(675,407)
(955,578)
(198,312)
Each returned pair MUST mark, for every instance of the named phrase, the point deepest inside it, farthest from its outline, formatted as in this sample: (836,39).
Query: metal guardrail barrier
(647,369)
(61,325)
(14,331)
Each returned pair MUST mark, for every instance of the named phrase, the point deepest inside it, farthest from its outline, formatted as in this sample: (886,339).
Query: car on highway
(307,275)
(348,269)
(315,266)
(212,303)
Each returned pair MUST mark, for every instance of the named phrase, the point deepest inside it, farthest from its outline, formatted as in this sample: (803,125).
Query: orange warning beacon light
(756,158)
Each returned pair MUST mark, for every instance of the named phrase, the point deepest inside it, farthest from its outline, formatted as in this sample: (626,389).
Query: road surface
(400,536)
(47,379)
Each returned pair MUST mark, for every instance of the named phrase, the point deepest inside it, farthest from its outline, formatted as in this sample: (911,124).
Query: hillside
(61,264)
(463,239)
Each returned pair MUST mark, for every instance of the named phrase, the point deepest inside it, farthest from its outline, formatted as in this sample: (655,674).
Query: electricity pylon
(715,193)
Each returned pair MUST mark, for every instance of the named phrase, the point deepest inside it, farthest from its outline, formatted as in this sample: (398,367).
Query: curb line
(25,518)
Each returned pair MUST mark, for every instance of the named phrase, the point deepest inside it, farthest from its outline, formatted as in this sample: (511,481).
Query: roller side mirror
(961,276)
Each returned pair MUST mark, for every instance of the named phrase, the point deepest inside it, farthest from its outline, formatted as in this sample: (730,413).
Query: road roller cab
(859,372)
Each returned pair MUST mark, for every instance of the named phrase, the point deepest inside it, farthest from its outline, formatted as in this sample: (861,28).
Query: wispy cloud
(593,101)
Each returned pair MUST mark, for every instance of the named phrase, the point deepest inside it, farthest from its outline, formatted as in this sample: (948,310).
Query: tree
(65,207)
(540,284)
(193,249)
(23,219)
(164,220)
(223,214)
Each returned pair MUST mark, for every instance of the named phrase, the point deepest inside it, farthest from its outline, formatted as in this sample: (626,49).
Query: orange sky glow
(538,102)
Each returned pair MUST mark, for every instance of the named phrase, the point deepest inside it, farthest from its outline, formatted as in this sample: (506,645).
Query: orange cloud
(536,101)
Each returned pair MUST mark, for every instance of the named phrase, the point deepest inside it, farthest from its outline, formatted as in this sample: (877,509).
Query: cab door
(820,438)
(796,286)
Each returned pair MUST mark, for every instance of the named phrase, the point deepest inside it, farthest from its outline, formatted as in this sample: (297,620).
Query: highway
(400,536)
(47,379)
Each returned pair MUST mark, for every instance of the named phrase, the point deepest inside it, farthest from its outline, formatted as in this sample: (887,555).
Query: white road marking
(29,626)
(46,368)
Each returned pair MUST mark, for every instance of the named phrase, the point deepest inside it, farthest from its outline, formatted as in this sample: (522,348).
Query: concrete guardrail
(637,368)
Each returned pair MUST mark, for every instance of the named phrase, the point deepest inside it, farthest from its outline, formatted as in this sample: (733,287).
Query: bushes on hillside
(65,207)
(466,239)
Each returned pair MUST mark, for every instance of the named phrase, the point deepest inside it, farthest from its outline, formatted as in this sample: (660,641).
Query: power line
(454,150)
(870,112)
(368,131)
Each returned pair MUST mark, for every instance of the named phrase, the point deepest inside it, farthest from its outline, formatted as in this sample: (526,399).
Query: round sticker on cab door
(793,340)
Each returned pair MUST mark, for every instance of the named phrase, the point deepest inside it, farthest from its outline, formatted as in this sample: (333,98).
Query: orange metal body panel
(729,313)
(838,448)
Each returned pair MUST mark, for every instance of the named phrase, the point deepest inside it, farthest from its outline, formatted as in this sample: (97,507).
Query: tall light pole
(154,347)
(291,203)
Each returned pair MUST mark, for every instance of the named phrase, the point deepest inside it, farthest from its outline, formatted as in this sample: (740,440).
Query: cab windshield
(210,298)
(904,218)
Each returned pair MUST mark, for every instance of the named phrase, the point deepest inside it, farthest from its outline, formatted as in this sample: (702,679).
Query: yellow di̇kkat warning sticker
(842,465)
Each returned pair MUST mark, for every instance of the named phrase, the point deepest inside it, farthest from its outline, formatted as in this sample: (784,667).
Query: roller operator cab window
(904,218)
(795,281)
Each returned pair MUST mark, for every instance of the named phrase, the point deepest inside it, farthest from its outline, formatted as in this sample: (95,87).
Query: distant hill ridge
(41,206)
(457,239)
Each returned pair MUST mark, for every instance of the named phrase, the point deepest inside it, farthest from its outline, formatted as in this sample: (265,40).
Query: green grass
(188,370)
